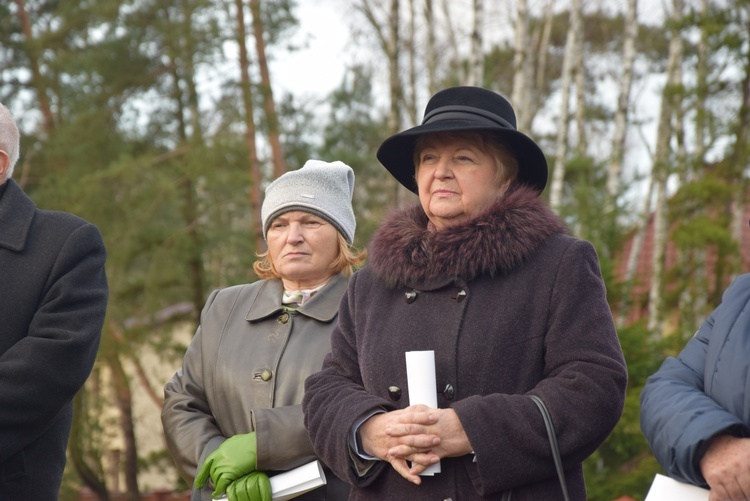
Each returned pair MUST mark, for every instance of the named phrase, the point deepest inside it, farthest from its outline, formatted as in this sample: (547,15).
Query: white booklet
(295,482)
(668,489)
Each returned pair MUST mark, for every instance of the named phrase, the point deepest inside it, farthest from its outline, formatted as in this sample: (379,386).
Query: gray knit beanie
(320,188)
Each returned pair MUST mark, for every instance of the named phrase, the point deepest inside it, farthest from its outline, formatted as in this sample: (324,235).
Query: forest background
(161,122)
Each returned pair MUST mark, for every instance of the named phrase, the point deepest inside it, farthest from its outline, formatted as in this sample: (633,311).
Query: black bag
(553,444)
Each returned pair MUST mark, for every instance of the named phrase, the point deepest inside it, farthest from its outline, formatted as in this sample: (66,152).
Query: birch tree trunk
(394,78)
(561,143)
(269,106)
(453,59)
(522,61)
(254,190)
(411,102)
(701,91)
(476,57)
(580,110)
(541,66)
(661,171)
(614,173)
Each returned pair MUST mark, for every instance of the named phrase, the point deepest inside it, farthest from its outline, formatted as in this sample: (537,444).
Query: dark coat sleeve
(42,372)
(677,417)
(583,384)
(335,397)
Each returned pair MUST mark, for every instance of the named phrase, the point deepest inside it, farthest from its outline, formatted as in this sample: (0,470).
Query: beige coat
(244,371)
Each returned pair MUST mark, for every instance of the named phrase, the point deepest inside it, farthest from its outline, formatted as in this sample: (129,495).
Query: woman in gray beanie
(232,413)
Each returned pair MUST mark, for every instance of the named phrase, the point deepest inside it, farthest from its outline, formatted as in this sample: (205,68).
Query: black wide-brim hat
(466,109)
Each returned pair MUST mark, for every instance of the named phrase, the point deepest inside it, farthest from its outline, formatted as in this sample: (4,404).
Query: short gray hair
(10,138)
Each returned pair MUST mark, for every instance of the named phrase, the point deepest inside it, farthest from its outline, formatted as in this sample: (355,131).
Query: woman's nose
(443,168)
(294,234)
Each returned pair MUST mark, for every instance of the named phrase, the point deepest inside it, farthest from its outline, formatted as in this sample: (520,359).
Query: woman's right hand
(377,440)
(726,468)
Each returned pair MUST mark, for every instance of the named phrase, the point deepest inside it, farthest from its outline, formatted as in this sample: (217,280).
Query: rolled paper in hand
(420,376)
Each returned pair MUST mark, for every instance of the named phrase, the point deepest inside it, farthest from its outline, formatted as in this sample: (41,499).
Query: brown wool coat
(533,320)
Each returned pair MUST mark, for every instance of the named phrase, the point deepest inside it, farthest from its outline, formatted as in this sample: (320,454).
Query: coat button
(411,297)
(264,375)
(460,296)
(449,392)
(284,318)
(394,392)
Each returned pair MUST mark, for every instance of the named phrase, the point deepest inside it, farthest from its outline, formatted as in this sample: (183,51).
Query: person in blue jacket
(695,410)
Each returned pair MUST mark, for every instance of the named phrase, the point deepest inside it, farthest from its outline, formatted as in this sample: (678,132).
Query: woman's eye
(427,157)
(313,224)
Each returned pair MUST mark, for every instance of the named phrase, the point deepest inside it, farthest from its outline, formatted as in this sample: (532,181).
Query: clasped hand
(726,468)
(231,468)
(419,434)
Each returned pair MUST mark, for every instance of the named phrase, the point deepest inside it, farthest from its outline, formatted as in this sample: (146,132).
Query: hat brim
(396,153)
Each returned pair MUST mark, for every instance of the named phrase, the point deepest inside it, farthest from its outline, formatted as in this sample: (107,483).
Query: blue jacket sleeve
(678,418)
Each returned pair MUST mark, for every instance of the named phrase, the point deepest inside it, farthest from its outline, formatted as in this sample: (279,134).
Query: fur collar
(405,252)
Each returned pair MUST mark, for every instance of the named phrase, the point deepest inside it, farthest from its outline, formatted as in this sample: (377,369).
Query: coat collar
(404,252)
(323,306)
(16,214)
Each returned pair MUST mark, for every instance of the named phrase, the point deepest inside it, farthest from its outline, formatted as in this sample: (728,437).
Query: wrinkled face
(302,247)
(456,181)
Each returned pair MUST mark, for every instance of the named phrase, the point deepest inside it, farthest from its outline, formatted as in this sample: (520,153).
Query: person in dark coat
(695,410)
(482,273)
(53,299)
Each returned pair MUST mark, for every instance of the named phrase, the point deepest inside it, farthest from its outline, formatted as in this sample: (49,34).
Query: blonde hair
(506,165)
(346,262)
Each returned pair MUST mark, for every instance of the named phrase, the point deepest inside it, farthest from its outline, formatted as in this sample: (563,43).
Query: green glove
(254,486)
(231,460)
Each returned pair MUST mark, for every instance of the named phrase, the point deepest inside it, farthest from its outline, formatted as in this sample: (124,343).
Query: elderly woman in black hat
(483,274)
(232,413)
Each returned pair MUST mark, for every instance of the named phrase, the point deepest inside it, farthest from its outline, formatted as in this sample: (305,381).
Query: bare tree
(476,56)
(269,106)
(561,143)
(617,156)
(249,115)
(390,43)
(431,55)
(38,81)
(453,58)
(671,100)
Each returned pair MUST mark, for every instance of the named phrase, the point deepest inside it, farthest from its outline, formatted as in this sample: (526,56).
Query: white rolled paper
(420,376)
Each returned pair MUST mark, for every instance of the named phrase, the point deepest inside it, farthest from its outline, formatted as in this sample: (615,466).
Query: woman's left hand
(254,486)
(453,440)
